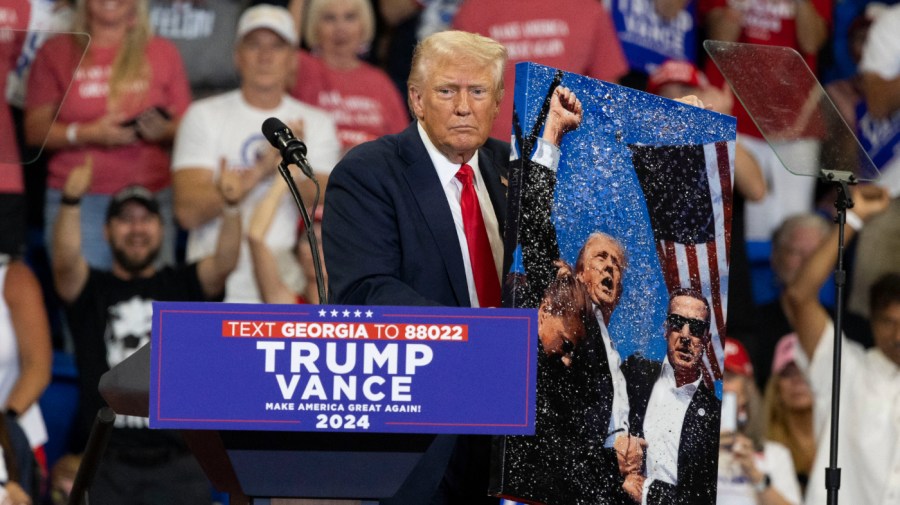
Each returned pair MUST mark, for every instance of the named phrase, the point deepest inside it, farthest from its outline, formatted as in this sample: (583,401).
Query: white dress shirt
(446,171)
(663,421)
(618,418)
(546,154)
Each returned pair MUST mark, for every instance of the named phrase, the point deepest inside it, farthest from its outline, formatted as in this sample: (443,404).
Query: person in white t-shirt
(225,131)
(869,431)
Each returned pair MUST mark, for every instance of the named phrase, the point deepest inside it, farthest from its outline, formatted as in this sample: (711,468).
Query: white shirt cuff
(546,154)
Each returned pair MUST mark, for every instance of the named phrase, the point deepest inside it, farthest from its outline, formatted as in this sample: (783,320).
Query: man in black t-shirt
(109,313)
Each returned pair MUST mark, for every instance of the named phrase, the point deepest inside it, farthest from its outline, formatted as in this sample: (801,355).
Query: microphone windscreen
(269,129)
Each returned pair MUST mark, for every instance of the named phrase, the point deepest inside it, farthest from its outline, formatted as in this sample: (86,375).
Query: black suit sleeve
(661,493)
(361,237)
(698,455)
(537,235)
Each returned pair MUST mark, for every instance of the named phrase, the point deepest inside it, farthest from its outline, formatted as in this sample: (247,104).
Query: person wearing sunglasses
(674,410)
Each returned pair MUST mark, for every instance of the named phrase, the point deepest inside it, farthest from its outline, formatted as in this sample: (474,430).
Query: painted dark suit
(699,448)
(389,239)
(565,462)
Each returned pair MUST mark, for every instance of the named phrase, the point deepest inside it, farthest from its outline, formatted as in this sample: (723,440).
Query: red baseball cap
(737,360)
(676,71)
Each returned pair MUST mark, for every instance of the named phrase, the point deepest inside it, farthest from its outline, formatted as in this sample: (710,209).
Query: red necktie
(487,285)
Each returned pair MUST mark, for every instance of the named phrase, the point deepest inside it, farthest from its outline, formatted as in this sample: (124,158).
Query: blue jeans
(94,246)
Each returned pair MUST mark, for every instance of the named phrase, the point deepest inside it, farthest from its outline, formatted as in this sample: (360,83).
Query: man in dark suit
(674,409)
(395,227)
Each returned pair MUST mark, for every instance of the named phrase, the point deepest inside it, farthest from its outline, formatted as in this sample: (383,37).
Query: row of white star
(345,313)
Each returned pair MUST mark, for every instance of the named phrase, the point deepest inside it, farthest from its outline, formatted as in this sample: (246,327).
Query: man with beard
(675,411)
(109,314)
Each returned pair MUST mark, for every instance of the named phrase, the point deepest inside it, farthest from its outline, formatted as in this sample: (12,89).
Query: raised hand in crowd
(70,268)
(804,310)
(79,180)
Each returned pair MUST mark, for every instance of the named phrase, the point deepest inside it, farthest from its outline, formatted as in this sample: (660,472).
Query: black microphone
(292,149)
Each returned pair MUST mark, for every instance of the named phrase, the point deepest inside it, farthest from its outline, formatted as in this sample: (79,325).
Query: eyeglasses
(697,327)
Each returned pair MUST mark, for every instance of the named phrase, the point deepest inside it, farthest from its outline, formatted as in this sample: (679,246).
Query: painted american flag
(688,190)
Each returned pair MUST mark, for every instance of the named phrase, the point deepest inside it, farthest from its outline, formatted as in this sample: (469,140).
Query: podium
(247,464)
(253,465)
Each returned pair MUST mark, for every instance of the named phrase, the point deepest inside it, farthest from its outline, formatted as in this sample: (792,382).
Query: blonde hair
(131,65)
(457,46)
(314,16)
(777,427)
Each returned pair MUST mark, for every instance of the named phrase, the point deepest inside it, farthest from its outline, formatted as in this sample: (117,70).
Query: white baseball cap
(271,17)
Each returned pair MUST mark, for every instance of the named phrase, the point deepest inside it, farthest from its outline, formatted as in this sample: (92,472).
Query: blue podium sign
(343,368)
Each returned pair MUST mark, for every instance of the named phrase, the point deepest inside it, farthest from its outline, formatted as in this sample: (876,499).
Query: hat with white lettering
(271,17)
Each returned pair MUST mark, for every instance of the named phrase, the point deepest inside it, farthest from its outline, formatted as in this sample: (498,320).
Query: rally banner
(621,241)
(342,368)
(648,39)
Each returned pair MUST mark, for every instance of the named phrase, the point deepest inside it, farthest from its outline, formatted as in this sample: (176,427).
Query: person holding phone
(122,109)
(752,471)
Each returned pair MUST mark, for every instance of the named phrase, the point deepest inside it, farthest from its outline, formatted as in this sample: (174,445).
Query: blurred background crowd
(132,168)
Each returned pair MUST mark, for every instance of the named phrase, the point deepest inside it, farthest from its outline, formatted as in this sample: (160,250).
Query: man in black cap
(109,314)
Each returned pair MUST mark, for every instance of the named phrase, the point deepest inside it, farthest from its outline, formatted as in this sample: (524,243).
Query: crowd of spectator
(131,159)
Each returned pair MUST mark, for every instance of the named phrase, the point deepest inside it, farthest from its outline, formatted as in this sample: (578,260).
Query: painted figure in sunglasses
(674,410)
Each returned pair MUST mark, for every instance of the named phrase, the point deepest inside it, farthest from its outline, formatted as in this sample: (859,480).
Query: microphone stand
(307,221)
(841,180)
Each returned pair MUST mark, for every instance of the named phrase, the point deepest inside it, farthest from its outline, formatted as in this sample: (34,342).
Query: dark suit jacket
(389,239)
(388,234)
(565,462)
(698,452)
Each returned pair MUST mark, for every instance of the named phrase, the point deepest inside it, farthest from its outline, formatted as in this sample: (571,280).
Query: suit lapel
(489,164)
(698,421)
(425,187)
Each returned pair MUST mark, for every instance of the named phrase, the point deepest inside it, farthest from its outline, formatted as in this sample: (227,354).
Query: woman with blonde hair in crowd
(364,101)
(789,406)
(122,108)
(753,470)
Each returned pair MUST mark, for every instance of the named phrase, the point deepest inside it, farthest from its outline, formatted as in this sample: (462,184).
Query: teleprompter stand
(842,203)
(787,103)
